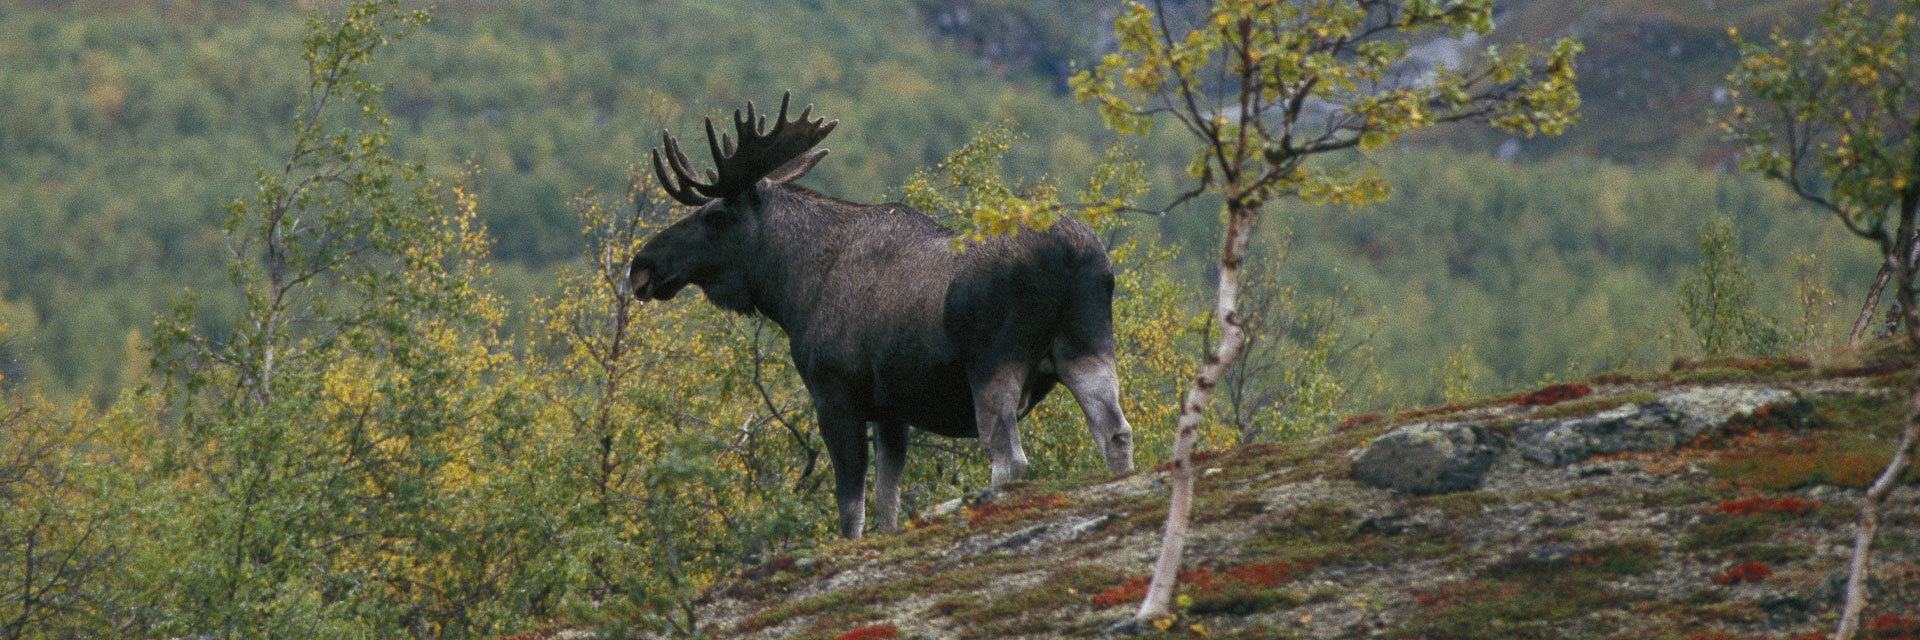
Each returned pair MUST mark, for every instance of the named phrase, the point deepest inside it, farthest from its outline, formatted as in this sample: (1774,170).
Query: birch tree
(1283,99)
(1835,116)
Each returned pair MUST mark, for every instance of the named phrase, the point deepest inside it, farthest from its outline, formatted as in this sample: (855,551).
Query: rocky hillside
(1711,501)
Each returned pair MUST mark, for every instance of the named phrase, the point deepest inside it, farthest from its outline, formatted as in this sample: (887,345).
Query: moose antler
(759,153)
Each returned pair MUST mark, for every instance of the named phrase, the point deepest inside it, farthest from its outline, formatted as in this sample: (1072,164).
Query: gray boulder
(1666,423)
(1429,457)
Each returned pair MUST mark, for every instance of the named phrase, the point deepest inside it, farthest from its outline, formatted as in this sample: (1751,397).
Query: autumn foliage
(1014,508)
(874,632)
(1744,572)
(1760,505)
(1552,394)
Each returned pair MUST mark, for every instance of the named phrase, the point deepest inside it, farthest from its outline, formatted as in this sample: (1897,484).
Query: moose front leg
(1096,387)
(996,408)
(846,439)
(890,457)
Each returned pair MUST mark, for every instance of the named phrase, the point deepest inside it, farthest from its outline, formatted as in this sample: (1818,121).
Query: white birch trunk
(1173,541)
(1870,522)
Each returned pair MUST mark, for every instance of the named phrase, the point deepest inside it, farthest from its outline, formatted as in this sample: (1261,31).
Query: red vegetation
(1890,626)
(1446,595)
(1128,590)
(1422,413)
(1551,394)
(1770,364)
(1776,417)
(1870,370)
(1205,582)
(1361,420)
(1263,575)
(1743,364)
(1744,572)
(1713,634)
(767,569)
(1761,504)
(1780,464)
(1198,457)
(1014,507)
(870,633)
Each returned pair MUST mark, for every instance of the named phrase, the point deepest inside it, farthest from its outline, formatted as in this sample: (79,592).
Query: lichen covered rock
(1668,422)
(1426,458)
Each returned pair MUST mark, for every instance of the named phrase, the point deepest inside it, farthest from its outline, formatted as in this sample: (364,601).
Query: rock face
(1426,458)
(1661,425)
(1429,457)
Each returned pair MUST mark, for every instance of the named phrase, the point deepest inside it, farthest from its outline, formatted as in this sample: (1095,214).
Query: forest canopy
(131,126)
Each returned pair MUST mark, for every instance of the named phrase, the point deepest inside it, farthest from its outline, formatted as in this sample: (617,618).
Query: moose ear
(795,168)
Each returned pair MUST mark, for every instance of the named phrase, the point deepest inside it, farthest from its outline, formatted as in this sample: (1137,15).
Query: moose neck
(801,235)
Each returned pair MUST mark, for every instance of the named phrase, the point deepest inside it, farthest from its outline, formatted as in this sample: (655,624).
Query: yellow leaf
(1163,623)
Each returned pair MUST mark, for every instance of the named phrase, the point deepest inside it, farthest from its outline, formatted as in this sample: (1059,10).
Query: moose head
(703,248)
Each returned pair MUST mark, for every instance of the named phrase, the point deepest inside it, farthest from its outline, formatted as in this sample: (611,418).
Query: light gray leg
(996,405)
(1096,387)
(890,457)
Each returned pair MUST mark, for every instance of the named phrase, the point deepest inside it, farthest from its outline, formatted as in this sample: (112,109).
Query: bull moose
(887,323)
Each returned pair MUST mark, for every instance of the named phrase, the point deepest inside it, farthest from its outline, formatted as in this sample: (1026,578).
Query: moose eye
(717,217)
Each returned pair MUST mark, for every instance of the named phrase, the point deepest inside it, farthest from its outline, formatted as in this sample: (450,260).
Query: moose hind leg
(890,457)
(846,440)
(996,408)
(1096,387)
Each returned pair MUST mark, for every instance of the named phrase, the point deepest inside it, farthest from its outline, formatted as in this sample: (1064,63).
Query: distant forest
(128,128)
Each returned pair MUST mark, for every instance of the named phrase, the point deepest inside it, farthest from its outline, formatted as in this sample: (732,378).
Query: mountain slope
(1739,532)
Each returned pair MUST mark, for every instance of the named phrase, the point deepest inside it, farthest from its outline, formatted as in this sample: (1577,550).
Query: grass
(1774,553)
(1591,406)
(1783,369)
(1679,495)
(1850,459)
(1034,610)
(1328,534)
(1720,531)
(1527,597)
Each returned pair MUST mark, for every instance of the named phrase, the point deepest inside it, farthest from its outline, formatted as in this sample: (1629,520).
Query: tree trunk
(1903,261)
(1870,522)
(1173,541)
(1873,303)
